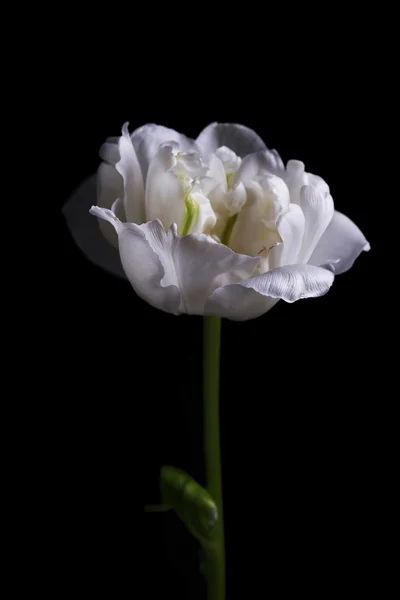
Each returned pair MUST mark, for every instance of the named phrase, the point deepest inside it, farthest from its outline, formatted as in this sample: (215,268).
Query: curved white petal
(258,163)
(235,199)
(296,177)
(231,161)
(253,297)
(110,187)
(206,216)
(318,210)
(141,262)
(228,203)
(148,138)
(202,265)
(254,231)
(85,229)
(317,182)
(216,171)
(190,164)
(290,227)
(293,282)
(165,196)
(238,303)
(225,201)
(196,264)
(175,274)
(238,138)
(129,168)
(342,241)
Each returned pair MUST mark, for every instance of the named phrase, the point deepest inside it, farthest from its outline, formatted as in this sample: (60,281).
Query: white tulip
(216,226)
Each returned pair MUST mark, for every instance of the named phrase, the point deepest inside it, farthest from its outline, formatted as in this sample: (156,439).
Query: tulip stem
(211,358)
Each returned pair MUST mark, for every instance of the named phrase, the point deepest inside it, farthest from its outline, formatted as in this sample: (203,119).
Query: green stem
(211,353)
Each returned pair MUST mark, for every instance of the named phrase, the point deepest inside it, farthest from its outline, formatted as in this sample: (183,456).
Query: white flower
(215,226)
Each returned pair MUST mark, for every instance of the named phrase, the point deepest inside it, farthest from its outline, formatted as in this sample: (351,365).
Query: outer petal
(238,303)
(318,209)
(202,265)
(147,139)
(196,264)
(290,227)
(175,274)
(141,262)
(86,231)
(238,138)
(244,300)
(342,242)
(129,168)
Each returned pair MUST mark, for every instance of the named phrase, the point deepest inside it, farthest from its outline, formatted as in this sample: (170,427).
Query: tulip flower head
(219,225)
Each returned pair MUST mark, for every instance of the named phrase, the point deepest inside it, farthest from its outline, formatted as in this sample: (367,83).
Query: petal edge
(342,241)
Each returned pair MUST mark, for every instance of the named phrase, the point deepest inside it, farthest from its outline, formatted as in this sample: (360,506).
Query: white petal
(216,171)
(318,210)
(145,271)
(129,168)
(85,229)
(141,262)
(206,218)
(253,297)
(190,164)
(165,196)
(293,282)
(238,138)
(253,232)
(229,159)
(342,241)
(206,185)
(235,199)
(290,227)
(148,138)
(228,203)
(202,265)
(225,202)
(163,244)
(196,264)
(317,182)
(110,187)
(259,162)
(296,177)
(238,303)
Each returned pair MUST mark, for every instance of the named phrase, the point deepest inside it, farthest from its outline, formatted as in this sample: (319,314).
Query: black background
(302,426)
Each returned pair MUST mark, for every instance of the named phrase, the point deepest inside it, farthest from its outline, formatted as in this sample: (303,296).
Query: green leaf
(191,502)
